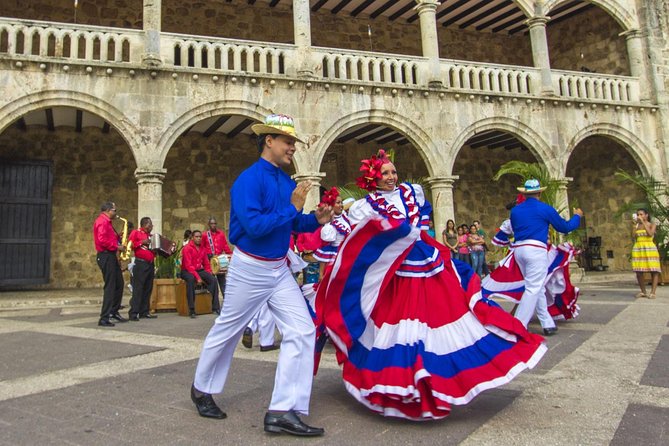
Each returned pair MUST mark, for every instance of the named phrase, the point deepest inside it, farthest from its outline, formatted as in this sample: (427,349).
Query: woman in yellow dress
(645,257)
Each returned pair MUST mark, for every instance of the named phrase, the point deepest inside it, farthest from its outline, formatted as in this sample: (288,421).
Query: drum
(223,261)
(162,245)
(219,264)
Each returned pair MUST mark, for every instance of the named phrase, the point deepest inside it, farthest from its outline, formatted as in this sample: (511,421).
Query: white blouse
(362,210)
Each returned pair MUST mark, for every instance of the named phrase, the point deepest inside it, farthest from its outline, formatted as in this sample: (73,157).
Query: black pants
(212,286)
(142,286)
(113,278)
(221,282)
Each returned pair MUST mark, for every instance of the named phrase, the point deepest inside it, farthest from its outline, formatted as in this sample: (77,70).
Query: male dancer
(530,221)
(107,245)
(142,272)
(266,208)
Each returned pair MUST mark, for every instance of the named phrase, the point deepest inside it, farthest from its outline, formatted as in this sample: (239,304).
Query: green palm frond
(527,171)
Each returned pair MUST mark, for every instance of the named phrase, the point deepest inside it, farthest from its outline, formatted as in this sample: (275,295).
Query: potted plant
(656,201)
(167,286)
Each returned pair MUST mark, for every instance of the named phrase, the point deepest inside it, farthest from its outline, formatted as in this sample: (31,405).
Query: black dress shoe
(268,348)
(148,316)
(217,312)
(290,423)
(247,338)
(106,323)
(205,404)
(133,317)
(118,317)
(191,314)
(550,331)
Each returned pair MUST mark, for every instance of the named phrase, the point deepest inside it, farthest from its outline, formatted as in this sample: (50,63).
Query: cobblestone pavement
(63,380)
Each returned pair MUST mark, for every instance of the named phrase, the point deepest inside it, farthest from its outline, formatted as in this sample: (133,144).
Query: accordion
(162,245)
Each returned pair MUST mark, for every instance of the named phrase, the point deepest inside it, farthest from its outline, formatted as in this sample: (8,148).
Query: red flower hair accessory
(371,170)
(520,198)
(329,197)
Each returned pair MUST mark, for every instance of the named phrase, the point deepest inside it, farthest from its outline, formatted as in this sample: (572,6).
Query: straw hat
(276,125)
(531,187)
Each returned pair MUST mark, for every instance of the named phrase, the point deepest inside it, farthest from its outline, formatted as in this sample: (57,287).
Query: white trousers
(533,263)
(264,323)
(251,284)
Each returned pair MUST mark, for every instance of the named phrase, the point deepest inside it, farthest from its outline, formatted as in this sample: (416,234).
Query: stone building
(150,102)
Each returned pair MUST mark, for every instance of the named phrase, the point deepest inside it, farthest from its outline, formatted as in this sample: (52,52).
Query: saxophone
(126,251)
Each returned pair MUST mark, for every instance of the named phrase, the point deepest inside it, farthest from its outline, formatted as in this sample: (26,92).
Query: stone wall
(602,198)
(115,13)
(88,168)
(588,41)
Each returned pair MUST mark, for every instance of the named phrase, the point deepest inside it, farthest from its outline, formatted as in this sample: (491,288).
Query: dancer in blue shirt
(266,208)
(530,221)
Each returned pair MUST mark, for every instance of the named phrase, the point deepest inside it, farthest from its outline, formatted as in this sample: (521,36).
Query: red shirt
(194,258)
(220,243)
(137,236)
(104,235)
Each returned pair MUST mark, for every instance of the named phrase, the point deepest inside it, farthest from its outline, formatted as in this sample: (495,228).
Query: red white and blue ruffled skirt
(412,330)
(506,282)
(326,254)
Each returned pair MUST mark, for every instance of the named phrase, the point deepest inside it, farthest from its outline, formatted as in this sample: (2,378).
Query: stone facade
(591,116)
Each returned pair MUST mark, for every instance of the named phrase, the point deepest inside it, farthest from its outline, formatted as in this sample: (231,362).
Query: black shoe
(290,423)
(268,348)
(192,315)
(106,323)
(217,312)
(118,317)
(550,331)
(148,316)
(247,338)
(133,317)
(205,404)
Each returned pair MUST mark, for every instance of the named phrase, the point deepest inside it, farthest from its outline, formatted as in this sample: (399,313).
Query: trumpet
(126,251)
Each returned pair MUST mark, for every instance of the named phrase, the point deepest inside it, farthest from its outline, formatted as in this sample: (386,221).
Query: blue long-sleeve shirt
(262,216)
(530,221)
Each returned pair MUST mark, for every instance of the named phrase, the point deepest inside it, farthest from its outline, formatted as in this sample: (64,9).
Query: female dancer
(411,329)
(645,257)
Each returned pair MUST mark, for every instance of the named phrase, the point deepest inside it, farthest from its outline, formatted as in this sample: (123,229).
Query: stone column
(540,55)
(314,194)
(302,31)
(442,200)
(561,197)
(150,196)
(427,11)
(152,21)
(636,58)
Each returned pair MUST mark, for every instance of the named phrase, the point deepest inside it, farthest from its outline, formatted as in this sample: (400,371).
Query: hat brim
(264,129)
(522,190)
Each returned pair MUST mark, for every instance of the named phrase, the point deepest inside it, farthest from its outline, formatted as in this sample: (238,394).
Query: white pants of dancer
(264,323)
(251,284)
(533,263)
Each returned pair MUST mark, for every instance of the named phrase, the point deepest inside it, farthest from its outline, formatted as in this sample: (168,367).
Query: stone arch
(537,145)
(191,117)
(65,98)
(417,136)
(644,157)
(626,19)
(526,6)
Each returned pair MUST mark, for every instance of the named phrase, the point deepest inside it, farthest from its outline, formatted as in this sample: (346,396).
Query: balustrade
(353,66)
(600,87)
(64,41)
(490,79)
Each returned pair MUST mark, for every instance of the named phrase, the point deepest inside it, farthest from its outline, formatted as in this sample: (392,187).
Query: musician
(107,245)
(143,272)
(195,268)
(266,208)
(216,244)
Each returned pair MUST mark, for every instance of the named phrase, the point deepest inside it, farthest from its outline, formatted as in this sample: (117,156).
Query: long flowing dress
(645,256)
(413,333)
(506,281)
(333,234)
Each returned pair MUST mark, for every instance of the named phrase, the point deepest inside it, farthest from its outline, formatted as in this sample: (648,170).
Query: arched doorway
(595,189)
(89,162)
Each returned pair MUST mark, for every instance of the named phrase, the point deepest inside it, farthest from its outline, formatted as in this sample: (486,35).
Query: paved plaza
(64,380)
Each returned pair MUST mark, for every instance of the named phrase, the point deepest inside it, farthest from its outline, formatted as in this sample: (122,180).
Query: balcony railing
(596,87)
(67,41)
(225,54)
(38,40)
(489,78)
(359,66)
